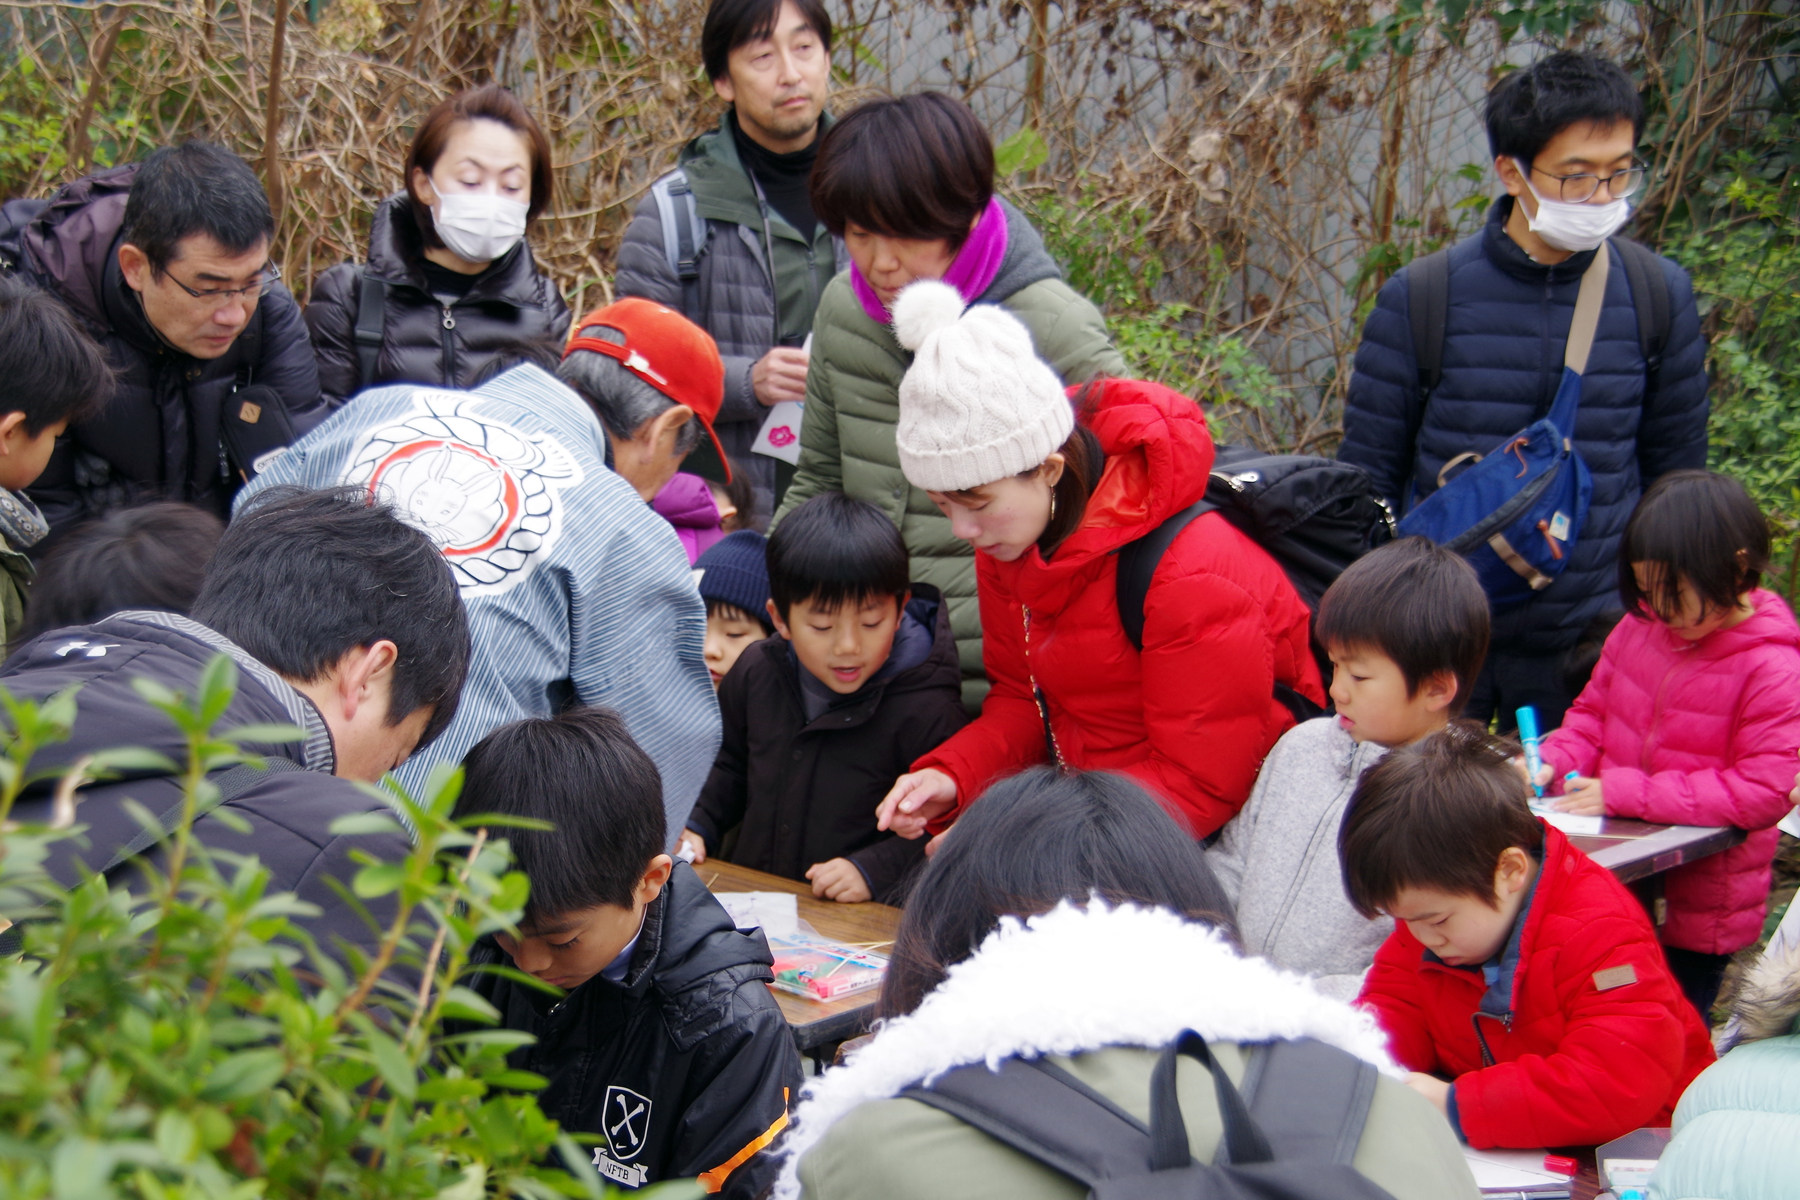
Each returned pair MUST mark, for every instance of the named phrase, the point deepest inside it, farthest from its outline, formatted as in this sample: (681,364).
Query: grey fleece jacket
(1278,860)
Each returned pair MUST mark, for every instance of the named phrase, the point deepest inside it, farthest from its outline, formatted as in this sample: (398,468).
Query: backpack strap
(371,318)
(1310,1100)
(1138,562)
(683,234)
(1650,297)
(1428,307)
(1039,1115)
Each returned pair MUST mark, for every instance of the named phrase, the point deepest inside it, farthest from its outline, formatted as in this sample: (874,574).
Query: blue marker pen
(1528,737)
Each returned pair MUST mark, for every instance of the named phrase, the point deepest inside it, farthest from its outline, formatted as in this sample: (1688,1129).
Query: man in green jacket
(729,238)
(925,158)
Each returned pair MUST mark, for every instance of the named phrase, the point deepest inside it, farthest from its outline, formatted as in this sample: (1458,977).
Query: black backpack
(1291,1134)
(1315,516)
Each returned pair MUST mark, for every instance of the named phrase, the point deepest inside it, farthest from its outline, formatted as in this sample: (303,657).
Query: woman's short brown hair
(918,166)
(489,102)
(1437,814)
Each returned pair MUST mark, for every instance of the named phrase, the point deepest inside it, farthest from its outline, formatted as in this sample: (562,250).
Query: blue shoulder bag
(1515,511)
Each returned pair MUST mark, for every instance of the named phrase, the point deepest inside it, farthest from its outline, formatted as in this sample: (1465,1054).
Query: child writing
(817,723)
(1693,713)
(51,374)
(1407,628)
(664,1038)
(1523,985)
(734,582)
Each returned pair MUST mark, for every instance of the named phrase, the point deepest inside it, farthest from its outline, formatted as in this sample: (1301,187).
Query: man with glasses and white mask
(167,263)
(1465,348)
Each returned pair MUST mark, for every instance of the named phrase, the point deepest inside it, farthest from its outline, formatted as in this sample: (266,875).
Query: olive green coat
(904,1150)
(852,408)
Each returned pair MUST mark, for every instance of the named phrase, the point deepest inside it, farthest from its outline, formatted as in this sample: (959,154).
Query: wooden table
(1634,850)
(817,1023)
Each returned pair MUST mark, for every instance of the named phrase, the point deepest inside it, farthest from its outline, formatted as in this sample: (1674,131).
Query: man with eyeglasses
(1497,308)
(167,263)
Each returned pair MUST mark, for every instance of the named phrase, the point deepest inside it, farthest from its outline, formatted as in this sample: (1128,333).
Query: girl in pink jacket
(1693,714)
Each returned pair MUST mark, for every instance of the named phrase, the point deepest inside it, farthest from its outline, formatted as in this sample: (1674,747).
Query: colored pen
(1528,737)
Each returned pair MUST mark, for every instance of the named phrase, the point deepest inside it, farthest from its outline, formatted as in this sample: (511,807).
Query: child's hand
(1432,1088)
(1543,775)
(1581,796)
(695,842)
(838,879)
(915,801)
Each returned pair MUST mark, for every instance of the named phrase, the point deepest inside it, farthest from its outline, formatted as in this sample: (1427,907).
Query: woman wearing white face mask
(450,293)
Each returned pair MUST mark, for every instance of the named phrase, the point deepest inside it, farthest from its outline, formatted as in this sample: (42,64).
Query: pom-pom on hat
(977,404)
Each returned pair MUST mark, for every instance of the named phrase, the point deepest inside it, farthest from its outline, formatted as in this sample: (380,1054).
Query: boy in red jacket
(1523,985)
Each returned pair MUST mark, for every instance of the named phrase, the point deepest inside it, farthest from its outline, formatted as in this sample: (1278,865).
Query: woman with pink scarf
(908,183)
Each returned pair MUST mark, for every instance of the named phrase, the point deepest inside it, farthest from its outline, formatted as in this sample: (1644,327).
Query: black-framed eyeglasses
(1579,189)
(250,291)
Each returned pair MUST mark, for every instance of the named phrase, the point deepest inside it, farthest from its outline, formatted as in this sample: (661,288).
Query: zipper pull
(449,320)
(1555,550)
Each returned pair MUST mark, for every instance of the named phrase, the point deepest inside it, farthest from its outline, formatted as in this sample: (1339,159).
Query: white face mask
(1573,227)
(478,226)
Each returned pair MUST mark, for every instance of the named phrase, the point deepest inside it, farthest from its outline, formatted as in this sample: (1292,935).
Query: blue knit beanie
(735,569)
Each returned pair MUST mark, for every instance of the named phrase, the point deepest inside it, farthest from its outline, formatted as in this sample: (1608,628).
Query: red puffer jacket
(1193,715)
(1592,1040)
(1696,733)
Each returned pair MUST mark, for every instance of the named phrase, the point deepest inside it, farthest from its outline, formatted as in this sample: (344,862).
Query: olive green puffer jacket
(852,407)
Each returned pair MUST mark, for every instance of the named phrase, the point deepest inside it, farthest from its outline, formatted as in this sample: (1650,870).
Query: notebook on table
(1515,1173)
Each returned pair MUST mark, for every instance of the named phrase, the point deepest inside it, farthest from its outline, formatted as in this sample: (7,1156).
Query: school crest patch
(486,492)
(626,1118)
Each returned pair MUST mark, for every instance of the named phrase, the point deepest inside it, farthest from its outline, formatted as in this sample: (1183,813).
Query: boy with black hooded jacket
(819,722)
(667,1042)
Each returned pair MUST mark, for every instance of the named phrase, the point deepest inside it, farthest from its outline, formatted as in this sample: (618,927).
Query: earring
(1053,504)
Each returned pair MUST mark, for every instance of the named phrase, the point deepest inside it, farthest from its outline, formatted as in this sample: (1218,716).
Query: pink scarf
(976,265)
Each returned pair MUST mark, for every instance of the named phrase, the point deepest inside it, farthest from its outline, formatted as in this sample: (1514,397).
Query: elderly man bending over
(577,592)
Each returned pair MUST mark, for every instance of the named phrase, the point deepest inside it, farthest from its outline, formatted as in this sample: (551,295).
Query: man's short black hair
(834,549)
(731,23)
(1533,104)
(1417,603)
(195,188)
(303,577)
(581,772)
(1437,814)
(1693,525)
(50,369)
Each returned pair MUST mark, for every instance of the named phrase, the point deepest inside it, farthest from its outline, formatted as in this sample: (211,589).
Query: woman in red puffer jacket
(987,429)
(1693,714)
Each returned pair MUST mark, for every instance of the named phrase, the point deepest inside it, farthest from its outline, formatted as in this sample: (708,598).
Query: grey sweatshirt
(1278,860)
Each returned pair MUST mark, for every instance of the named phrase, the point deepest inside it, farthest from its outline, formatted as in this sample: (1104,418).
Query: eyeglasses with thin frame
(251,291)
(1579,189)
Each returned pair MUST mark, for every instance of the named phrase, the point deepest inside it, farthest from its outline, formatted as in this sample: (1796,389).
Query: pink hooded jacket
(687,503)
(1701,733)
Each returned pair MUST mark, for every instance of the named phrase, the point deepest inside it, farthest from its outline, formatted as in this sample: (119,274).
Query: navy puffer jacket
(1503,359)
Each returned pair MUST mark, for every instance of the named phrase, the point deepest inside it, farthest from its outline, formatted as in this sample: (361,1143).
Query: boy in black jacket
(819,722)
(668,1043)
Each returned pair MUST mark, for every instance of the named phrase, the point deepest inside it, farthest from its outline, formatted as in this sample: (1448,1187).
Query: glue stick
(1528,737)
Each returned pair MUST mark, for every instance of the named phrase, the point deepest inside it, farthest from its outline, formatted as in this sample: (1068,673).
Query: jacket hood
(1026,260)
(691,938)
(70,243)
(1017,995)
(686,501)
(397,256)
(103,659)
(1768,1003)
(722,187)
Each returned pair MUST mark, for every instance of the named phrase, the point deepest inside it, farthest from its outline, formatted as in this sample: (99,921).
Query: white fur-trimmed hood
(1074,980)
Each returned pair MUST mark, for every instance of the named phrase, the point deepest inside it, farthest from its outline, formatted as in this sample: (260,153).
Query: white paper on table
(779,436)
(777,914)
(1571,824)
(1514,1172)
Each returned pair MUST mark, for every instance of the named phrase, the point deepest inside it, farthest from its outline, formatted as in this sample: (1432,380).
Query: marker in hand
(1528,737)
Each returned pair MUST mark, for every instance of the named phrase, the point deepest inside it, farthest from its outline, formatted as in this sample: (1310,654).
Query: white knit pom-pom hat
(977,404)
